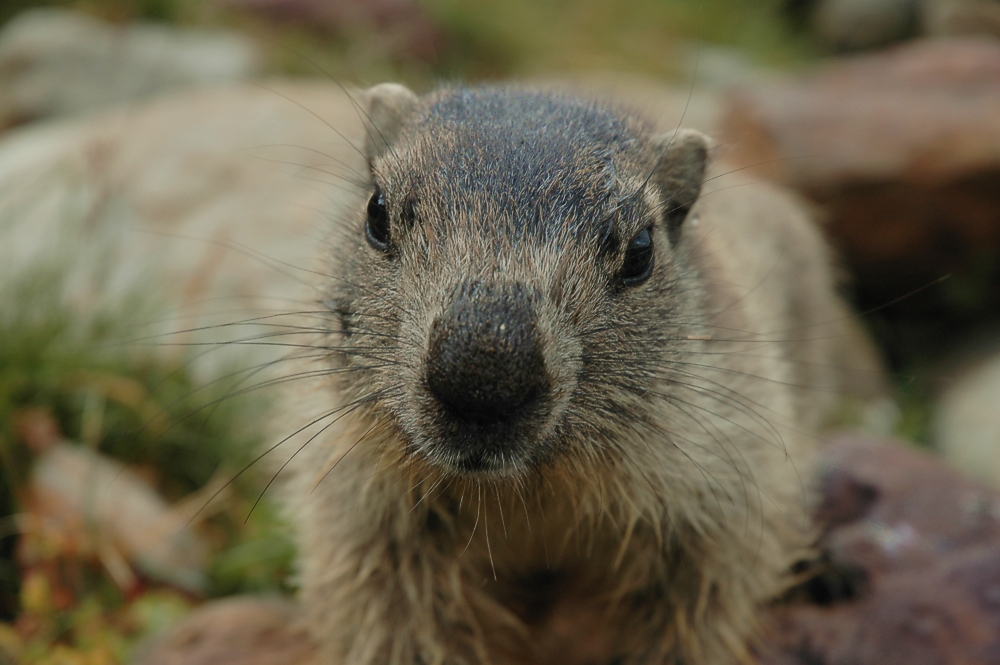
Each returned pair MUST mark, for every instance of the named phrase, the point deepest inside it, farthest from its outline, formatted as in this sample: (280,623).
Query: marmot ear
(388,106)
(680,172)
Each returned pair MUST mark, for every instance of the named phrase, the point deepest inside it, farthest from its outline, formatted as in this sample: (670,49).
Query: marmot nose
(484,357)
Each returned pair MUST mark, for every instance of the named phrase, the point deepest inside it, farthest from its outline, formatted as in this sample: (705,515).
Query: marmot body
(566,400)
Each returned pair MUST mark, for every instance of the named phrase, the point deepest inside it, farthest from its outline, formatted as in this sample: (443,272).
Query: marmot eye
(377,226)
(638,259)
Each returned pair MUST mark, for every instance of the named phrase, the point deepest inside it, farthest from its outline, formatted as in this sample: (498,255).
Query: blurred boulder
(967,421)
(92,503)
(57,62)
(238,631)
(911,567)
(902,149)
(198,214)
(960,17)
(848,25)
(854,25)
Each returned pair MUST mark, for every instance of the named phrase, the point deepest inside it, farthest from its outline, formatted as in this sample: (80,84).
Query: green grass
(130,404)
(551,36)
(493,39)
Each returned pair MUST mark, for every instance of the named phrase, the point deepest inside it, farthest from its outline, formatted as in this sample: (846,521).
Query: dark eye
(377,226)
(638,259)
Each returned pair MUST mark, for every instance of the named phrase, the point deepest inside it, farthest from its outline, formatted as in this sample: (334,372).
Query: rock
(58,62)
(96,504)
(851,25)
(967,422)
(711,68)
(238,631)
(960,17)
(902,149)
(912,572)
(848,25)
(204,211)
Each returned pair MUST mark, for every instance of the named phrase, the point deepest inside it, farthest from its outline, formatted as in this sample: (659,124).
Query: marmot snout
(484,357)
(486,368)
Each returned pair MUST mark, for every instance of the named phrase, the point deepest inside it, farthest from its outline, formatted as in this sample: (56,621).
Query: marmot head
(507,290)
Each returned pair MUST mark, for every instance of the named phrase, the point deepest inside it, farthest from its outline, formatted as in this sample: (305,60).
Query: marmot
(566,394)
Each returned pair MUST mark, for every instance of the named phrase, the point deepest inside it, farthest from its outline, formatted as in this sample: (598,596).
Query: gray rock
(967,422)
(236,631)
(206,206)
(960,17)
(846,25)
(719,67)
(56,62)
(93,500)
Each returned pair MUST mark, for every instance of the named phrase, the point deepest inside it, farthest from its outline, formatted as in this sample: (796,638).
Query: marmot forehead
(536,119)
(531,155)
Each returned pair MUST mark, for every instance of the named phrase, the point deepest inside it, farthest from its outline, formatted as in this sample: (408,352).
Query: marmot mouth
(484,417)
(491,445)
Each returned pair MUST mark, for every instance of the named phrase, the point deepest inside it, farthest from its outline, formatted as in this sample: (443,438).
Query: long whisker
(354,405)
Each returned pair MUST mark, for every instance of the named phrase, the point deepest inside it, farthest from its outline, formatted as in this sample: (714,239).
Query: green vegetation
(127,403)
(491,38)
(643,36)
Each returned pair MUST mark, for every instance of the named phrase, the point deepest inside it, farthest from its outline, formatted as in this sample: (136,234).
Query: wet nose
(485,360)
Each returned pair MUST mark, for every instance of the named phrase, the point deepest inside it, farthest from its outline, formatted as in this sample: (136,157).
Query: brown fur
(661,500)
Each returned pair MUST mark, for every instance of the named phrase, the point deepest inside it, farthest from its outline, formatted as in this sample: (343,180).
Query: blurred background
(166,168)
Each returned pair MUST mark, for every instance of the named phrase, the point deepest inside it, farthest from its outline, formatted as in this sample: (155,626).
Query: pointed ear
(388,106)
(680,172)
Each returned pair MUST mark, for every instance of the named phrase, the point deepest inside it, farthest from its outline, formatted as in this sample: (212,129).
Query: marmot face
(510,292)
